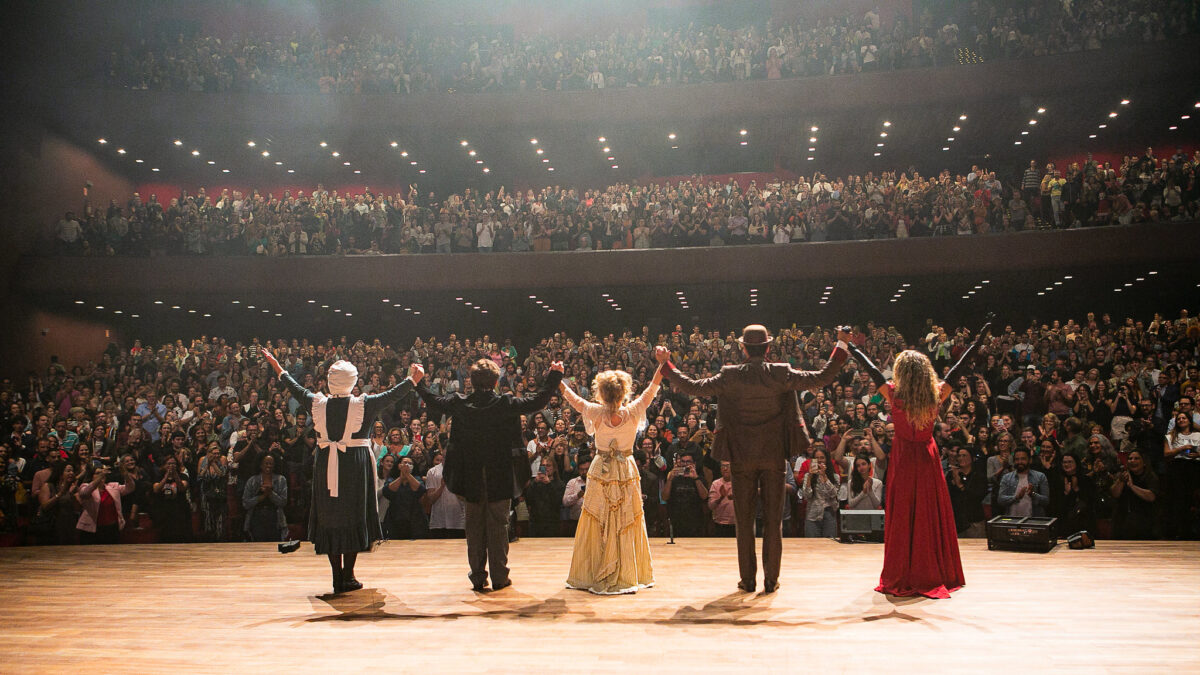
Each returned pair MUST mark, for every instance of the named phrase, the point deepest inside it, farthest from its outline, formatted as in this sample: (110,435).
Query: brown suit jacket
(758,418)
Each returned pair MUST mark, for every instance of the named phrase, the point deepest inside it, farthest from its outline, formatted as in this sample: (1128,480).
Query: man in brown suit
(756,425)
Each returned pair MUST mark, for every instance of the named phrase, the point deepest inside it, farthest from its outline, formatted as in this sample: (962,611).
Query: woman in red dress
(920,541)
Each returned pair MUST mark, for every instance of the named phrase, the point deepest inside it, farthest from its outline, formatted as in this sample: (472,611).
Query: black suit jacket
(479,463)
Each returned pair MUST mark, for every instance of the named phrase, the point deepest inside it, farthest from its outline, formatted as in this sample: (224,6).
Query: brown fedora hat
(755,334)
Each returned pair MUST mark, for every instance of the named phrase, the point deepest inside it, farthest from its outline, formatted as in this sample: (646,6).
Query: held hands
(662,354)
(557,367)
(416,372)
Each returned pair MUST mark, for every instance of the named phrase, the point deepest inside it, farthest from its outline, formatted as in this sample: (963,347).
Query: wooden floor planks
(244,608)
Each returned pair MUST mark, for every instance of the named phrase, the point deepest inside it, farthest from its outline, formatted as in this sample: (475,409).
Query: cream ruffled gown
(612,551)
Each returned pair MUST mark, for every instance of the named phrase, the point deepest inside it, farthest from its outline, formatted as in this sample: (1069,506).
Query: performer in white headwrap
(344,519)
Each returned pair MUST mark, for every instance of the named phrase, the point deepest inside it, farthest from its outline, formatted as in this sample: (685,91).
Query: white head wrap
(342,377)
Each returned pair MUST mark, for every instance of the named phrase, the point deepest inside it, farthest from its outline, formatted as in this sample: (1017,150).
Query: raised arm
(801,380)
(534,403)
(302,395)
(382,400)
(967,356)
(574,400)
(643,400)
(709,386)
(866,364)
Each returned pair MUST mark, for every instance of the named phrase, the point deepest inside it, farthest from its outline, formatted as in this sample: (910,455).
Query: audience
(491,60)
(689,213)
(210,465)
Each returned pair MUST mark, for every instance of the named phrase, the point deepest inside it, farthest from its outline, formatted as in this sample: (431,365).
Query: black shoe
(350,584)
(770,586)
(289,546)
(746,587)
(502,585)
(479,588)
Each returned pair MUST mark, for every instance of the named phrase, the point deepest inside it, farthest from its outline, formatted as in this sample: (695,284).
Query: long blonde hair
(611,388)
(917,387)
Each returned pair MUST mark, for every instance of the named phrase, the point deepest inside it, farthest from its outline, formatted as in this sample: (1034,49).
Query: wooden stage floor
(233,608)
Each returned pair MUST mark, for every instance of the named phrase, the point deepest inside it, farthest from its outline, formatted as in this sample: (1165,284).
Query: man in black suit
(479,466)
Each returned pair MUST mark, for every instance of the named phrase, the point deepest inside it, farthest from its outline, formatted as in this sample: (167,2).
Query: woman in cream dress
(612,551)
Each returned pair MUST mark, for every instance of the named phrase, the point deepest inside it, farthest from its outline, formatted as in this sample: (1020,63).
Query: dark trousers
(487,541)
(724,530)
(753,481)
(104,534)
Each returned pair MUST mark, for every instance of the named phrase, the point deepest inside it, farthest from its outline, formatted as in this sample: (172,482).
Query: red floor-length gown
(920,542)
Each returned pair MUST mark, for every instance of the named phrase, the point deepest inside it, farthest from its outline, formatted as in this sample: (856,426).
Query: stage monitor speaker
(1021,533)
(864,523)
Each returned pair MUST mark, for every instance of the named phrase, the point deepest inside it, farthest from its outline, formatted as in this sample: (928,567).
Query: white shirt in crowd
(447,512)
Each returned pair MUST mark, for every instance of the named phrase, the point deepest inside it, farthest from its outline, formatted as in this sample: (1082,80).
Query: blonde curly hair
(611,388)
(917,386)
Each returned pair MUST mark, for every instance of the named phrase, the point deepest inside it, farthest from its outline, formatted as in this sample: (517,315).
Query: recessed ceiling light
(878,154)
(479,161)
(155,170)
(607,149)
(812,139)
(250,143)
(178,142)
(540,151)
(549,168)
(278,163)
(1032,122)
(1185,117)
(744,143)
(1016,142)
(956,129)
(904,285)
(887,124)
(99,306)
(1124,101)
(174,306)
(533,141)
(487,170)
(471,153)
(312,302)
(102,141)
(1091,135)
(1069,277)
(1024,133)
(883,134)
(463,143)
(743,132)
(1112,114)
(79,302)
(395,144)
(812,149)
(1041,110)
(335,153)
(814,129)
(962,116)
(879,145)
(950,139)
(324,144)
(404,153)
(1041,292)
(810,159)
(141,161)
(222,170)
(121,151)
(945,148)
(671,137)
(291,171)
(192,311)
(545,161)
(601,139)
(358,171)
(413,163)
(266,153)
(1151,272)
(421,171)
(324,306)
(210,162)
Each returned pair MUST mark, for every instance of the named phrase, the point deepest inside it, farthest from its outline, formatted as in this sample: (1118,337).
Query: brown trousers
(752,481)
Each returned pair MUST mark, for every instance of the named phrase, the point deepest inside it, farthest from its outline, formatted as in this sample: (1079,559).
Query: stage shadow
(733,609)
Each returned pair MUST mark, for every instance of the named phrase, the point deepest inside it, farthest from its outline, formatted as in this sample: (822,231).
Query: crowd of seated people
(1089,420)
(480,61)
(892,204)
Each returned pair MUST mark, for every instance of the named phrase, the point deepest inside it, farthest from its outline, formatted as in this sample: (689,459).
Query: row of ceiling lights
(826,295)
(540,303)
(1129,284)
(472,305)
(1056,285)
(955,131)
(683,303)
(978,287)
(1183,118)
(397,305)
(616,307)
(1111,116)
(900,292)
(540,152)
(887,126)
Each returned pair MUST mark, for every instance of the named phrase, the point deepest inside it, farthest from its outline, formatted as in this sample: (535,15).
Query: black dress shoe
(502,585)
(350,584)
(770,586)
(479,588)
(289,546)
(745,587)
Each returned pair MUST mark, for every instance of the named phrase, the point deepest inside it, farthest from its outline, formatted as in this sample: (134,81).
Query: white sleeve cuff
(841,344)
